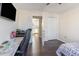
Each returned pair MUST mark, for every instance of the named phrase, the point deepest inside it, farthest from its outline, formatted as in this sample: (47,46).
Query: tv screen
(8,10)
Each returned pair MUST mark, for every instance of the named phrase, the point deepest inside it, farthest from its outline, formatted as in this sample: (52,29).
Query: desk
(14,46)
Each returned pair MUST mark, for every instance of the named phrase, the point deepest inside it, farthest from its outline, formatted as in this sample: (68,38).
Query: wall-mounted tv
(8,11)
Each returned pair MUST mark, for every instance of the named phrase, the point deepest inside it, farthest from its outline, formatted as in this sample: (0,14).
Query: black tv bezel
(6,12)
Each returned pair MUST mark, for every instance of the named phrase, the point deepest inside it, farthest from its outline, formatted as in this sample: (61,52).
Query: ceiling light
(47,3)
(59,3)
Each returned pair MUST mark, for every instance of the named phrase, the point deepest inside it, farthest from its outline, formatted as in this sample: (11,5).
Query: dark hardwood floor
(49,48)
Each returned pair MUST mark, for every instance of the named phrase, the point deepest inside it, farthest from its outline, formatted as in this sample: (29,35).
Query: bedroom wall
(6,27)
(24,19)
(69,26)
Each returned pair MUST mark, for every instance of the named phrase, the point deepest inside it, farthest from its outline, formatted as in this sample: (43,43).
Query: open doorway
(37,35)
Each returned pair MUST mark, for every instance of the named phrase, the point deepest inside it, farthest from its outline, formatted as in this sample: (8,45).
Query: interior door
(51,28)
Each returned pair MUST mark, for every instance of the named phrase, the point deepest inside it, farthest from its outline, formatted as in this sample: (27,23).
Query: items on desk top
(2,45)
(6,46)
(5,42)
(13,34)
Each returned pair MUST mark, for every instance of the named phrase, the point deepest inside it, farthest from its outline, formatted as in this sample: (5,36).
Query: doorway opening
(37,35)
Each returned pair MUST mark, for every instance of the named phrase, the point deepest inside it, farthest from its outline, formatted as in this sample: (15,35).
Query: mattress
(68,49)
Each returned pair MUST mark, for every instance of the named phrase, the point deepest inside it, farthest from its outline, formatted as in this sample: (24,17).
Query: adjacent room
(39,29)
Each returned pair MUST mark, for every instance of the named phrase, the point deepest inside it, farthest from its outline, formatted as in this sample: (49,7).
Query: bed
(68,49)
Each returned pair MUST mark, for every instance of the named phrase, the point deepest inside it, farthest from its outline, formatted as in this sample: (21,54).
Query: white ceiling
(30,6)
(54,7)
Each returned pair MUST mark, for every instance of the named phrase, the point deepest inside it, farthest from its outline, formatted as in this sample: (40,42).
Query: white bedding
(68,49)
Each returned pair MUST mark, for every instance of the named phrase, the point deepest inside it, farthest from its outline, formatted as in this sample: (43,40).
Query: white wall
(69,26)
(6,27)
(24,19)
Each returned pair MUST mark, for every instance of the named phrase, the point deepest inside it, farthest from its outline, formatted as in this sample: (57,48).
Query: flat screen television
(8,11)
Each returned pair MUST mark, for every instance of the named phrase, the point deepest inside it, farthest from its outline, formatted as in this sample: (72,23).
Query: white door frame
(46,31)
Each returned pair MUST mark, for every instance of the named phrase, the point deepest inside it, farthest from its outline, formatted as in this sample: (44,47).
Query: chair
(22,50)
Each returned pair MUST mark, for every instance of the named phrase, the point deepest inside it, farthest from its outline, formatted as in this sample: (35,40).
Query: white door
(51,28)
